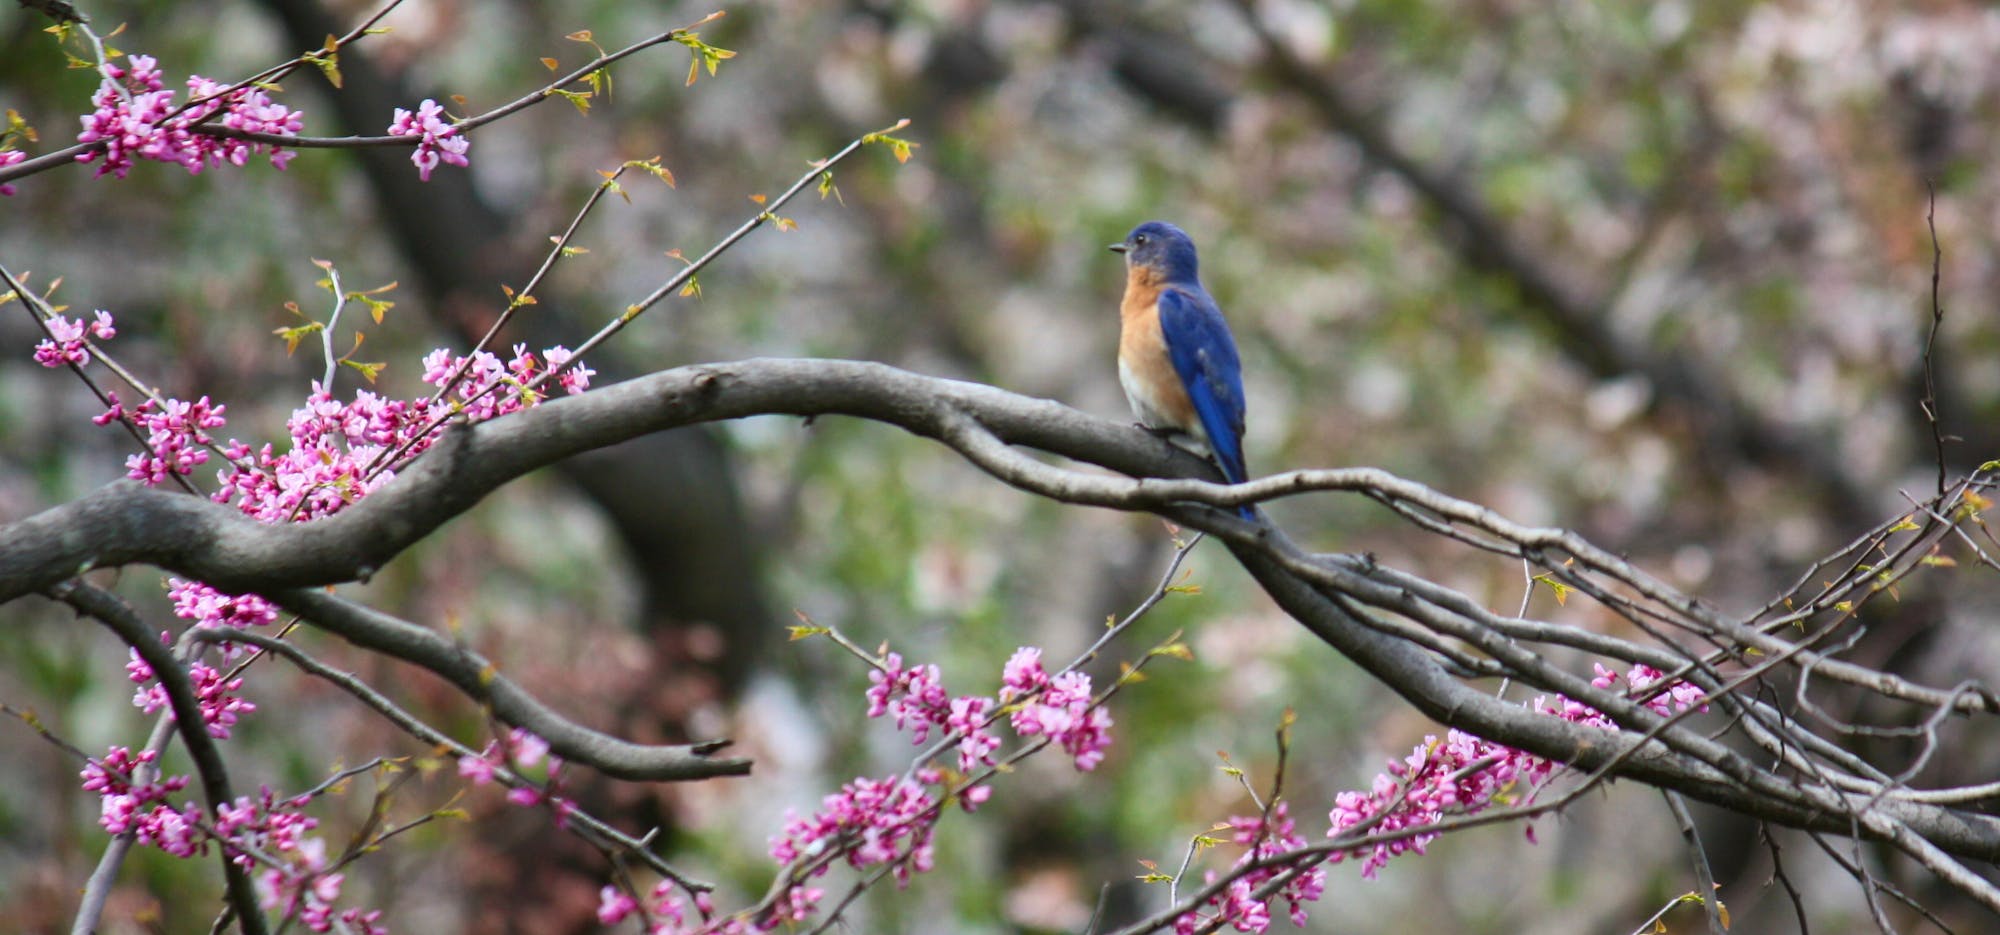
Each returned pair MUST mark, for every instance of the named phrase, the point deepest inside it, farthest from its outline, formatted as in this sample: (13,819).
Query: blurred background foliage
(1656,272)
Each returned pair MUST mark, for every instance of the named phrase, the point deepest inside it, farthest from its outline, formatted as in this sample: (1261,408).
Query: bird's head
(1160,248)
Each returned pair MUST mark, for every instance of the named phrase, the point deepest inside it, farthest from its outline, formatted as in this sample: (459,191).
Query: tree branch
(481,681)
(1366,612)
(173,676)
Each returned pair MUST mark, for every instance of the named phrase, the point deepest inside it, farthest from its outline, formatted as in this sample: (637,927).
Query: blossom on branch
(1464,774)
(9,157)
(136,118)
(1264,837)
(438,141)
(67,341)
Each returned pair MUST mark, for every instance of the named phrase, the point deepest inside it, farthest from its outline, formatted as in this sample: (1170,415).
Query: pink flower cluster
(205,605)
(326,467)
(176,436)
(1439,783)
(136,119)
(873,822)
(67,344)
(275,829)
(1464,774)
(1678,697)
(299,885)
(438,140)
(127,805)
(1060,708)
(9,157)
(523,750)
(913,697)
(335,444)
(217,696)
(482,371)
(1238,905)
(666,909)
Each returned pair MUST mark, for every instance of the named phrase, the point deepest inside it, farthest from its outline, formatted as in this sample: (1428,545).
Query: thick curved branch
(480,680)
(1363,611)
(409,723)
(126,523)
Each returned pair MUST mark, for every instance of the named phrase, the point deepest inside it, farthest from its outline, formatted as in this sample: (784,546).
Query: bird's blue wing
(1204,356)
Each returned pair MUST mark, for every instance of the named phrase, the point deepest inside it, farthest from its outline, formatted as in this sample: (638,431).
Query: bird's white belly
(1152,412)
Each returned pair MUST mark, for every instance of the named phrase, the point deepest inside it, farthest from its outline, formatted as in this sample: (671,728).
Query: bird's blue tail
(1228,450)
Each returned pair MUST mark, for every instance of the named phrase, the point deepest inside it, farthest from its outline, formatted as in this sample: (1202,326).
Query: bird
(1176,358)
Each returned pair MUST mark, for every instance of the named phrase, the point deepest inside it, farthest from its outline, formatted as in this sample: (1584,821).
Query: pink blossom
(614,904)
(971,797)
(968,720)
(1064,710)
(301,888)
(798,903)
(886,821)
(267,823)
(1464,774)
(177,436)
(528,748)
(913,697)
(576,378)
(483,371)
(65,344)
(209,607)
(327,466)
(137,669)
(112,414)
(363,923)
(217,696)
(480,768)
(9,157)
(438,140)
(1238,906)
(135,119)
(1022,674)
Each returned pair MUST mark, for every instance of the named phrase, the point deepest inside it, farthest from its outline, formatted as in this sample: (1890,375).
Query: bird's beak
(1119,247)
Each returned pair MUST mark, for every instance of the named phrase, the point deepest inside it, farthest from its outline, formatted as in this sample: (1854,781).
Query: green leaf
(701,54)
(900,147)
(368,371)
(578,99)
(654,168)
(375,306)
(328,64)
(1560,589)
(296,334)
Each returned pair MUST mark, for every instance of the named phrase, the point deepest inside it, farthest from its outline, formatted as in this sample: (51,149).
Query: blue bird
(1176,359)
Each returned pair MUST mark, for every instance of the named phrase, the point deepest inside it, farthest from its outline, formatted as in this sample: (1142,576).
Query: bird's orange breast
(1144,369)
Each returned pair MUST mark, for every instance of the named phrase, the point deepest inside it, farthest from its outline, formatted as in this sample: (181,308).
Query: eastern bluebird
(1176,359)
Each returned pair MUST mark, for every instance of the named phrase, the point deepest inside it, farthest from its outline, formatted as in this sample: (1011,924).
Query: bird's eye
(1139,239)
